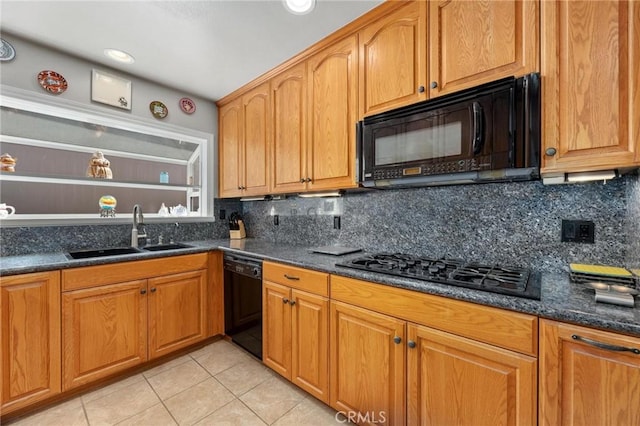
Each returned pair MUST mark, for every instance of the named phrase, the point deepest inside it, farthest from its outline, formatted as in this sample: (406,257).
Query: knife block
(238,234)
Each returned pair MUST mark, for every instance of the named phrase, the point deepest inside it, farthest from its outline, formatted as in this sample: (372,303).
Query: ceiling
(205,48)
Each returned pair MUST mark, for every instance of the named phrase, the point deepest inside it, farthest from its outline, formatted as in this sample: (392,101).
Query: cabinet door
(177,311)
(474,42)
(257,135)
(288,91)
(230,149)
(276,328)
(454,380)
(367,368)
(393,60)
(30,335)
(104,330)
(591,87)
(310,343)
(587,377)
(332,84)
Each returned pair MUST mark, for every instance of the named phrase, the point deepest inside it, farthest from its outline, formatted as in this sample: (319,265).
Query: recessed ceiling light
(119,55)
(299,7)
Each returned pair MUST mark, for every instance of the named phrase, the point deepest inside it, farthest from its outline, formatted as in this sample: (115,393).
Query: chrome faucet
(138,222)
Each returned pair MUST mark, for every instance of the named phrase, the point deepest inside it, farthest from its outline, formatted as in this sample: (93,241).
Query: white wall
(31,58)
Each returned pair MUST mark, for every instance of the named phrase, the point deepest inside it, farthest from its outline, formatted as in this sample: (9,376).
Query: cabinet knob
(434,84)
(293,302)
(285,300)
(550,152)
(239,187)
(411,344)
(421,89)
(397,340)
(302,180)
(143,291)
(308,179)
(153,289)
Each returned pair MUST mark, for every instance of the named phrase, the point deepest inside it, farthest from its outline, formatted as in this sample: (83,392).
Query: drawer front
(93,276)
(499,327)
(302,279)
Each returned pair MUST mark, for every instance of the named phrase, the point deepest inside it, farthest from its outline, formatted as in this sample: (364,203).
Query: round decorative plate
(52,82)
(187,105)
(7,52)
(158,109)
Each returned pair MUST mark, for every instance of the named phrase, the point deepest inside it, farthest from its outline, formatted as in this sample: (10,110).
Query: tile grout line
(84,410)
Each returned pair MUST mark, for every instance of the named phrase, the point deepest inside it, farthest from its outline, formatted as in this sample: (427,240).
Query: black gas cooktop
(497,279)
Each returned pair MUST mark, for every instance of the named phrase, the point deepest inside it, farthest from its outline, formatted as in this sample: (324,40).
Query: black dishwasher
(243,301)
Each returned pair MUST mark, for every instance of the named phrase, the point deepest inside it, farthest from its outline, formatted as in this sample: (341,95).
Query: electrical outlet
(578,231)
(223,214)
(336,222)
(276,220)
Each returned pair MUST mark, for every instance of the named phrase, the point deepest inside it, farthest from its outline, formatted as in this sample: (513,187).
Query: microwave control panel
(469,165)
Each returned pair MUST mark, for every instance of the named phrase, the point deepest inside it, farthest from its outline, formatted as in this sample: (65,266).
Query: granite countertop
(560,298)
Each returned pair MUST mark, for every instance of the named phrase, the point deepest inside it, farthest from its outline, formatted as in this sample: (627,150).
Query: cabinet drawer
(302,279)
(507,329)
(93,276)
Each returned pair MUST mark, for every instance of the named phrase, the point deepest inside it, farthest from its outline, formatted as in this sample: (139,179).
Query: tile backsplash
(509,223)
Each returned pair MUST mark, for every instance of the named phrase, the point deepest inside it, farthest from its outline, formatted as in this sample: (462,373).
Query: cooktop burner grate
(497,279)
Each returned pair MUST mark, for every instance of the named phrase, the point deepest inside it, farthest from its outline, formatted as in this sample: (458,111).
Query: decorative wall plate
(158,109)
(187,105)
(7,52)
(52,82)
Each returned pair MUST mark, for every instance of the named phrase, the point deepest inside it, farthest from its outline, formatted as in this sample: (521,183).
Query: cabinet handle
(291,277)
(605,346)
(293,302)
(434,84)
(153,289)
(143,291)
(550,152)
(302,180)
(421,89)
(285,300)
(411,344)
(397,340)
(308,179)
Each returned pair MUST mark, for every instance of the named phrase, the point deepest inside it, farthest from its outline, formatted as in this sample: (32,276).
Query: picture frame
(110,89)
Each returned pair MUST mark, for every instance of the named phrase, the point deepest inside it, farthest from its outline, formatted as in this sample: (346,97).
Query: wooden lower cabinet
(587,376)
(457,381)
(116,325)
(30,336)
(104,330)
(177,306)
(295,337)
(367,362)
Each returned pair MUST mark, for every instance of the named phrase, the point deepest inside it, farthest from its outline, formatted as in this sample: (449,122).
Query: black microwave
(485,134)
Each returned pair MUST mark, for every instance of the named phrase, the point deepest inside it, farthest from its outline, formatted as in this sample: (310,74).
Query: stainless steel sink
(163,247)
(114,251)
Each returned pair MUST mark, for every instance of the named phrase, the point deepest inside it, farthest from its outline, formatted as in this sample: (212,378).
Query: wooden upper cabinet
(457,381)
(30,330)
(393,60)
(245,134)
(474,42)
(588,377)
(591,85)
(230,149)
(289,97)
(332,96)
(257,136)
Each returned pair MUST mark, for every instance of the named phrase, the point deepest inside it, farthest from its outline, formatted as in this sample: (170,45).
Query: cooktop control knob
(255,272)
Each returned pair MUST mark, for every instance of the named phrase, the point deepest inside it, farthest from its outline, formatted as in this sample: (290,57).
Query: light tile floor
(219,384)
